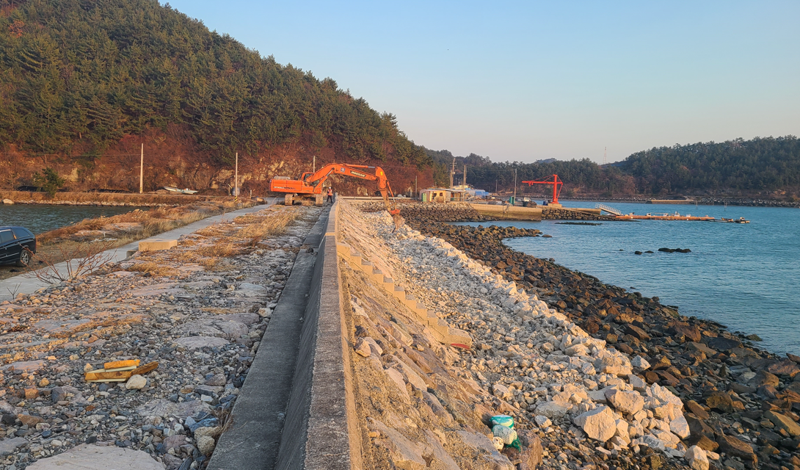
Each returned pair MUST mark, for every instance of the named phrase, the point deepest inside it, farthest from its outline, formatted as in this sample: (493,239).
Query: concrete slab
(29,283)
(157,244)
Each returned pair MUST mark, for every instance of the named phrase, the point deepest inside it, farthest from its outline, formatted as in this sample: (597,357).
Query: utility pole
(452,171)
(314,165)
(465,176)
(141,171)
(236,177)
(515,185)
(605,150)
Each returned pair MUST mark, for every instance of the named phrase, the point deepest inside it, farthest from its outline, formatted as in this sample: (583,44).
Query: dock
(671,201)
(674,216)
(508,212)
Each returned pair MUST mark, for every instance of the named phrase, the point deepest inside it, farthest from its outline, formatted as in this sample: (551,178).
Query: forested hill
(79,76)
(757,165)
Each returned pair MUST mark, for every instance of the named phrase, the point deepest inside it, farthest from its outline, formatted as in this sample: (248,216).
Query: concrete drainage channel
(296,409)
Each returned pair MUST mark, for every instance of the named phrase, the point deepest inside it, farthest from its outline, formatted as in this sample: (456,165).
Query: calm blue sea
(42,218)
(745,276)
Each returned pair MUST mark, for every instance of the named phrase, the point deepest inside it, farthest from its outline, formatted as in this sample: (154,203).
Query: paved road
(29,283)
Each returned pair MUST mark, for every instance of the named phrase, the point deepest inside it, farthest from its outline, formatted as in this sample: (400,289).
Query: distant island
(761,167)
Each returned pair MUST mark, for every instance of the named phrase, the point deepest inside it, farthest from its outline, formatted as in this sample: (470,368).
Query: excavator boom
(312,183)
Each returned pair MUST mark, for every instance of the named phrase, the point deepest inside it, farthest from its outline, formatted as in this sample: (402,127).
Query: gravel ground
(199,310)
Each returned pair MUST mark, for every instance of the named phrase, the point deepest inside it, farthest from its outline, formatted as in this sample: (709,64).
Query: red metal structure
(311,184)
(557,185)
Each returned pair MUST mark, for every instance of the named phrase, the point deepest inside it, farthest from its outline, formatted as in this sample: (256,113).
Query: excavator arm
(312,183)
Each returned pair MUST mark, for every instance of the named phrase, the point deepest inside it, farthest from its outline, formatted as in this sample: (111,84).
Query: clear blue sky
(530,80)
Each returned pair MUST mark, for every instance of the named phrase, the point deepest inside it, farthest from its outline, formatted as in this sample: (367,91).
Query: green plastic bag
(503,420)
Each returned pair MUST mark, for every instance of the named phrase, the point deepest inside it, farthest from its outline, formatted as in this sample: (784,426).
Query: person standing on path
(330,194)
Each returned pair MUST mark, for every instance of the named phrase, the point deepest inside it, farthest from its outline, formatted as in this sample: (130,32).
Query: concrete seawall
(296,409)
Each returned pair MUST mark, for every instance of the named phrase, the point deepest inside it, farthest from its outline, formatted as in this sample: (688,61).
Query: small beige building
(435,195)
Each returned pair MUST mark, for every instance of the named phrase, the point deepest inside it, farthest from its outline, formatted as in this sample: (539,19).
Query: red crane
(557,184)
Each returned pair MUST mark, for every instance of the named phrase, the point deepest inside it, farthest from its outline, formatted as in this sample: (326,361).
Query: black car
(13,244)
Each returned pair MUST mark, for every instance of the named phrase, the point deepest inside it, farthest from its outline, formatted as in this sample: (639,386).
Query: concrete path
(28,283)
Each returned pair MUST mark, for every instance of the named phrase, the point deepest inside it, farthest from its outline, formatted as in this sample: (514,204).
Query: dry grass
(209,263)
(54,245)
(274,222)
(153,269)
(224,250)
(150,222)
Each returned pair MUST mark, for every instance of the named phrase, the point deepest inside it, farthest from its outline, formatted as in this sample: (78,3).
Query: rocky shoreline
(740,401)
(703,201)
(88,203)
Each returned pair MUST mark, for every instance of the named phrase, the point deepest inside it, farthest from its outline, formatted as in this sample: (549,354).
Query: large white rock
(543,421)
(89,457)
(197,342)
(680,427)
(8,446)
(640,363)
(670,440)
(598,423)
(397,377)
(577,350)
(614,364)
(637,382)
(551,409)
(651,441)
(136,382)
(205,444)
(626,402)
(696,458)
(664,395)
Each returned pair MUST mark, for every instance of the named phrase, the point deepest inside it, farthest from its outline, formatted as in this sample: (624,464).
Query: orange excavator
(311,184)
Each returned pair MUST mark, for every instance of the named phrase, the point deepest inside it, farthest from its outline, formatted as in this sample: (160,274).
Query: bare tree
(79,260)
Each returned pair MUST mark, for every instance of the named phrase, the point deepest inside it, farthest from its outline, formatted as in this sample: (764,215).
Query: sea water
(745,276)
(45,217)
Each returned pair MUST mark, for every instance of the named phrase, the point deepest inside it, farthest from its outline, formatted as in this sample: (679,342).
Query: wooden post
(141,171)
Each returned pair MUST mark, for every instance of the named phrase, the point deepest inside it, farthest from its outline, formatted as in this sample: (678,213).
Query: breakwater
(741,401)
